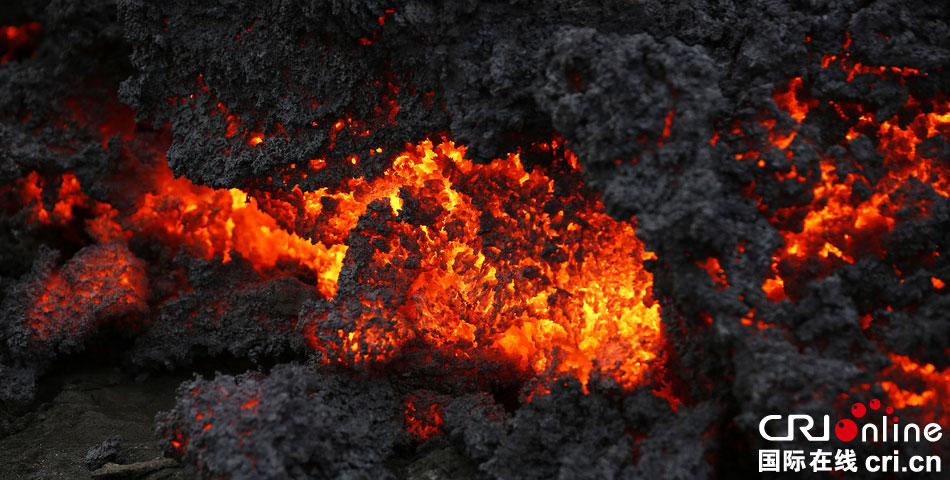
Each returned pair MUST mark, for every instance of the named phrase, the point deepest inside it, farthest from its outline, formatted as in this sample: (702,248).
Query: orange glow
(119,119)
(17,40)
(422,421)
(317,164)
(493,262)
(542,311)
(836,227)
(99,282)
(180,442)
(382,18)
(840,226)
(937,283)
(68,196)
(774,288)
(911,384)
(711,266)
(667,127)
(855,68)
(234,124)
(750,320)
(787,99)
(211,223)
(557,287)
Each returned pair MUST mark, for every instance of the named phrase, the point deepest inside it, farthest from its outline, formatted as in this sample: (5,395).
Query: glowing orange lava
(423,419)
(209,223)
(837,227)
(550,291)
(99,282)
(840,226)
(911,384)
(504,267)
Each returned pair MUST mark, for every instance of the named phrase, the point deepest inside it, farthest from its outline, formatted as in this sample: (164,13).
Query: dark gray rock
(109,451)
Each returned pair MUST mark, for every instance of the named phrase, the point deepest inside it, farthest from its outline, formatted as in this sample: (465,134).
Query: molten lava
(491,262)
(494,271)
(100,282)
(840,226)
(216,223)
(837,227)
(423,418)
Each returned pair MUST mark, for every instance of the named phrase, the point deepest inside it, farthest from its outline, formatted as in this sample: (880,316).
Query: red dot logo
(889,410)
(858,410)
(846,430)
(875,404)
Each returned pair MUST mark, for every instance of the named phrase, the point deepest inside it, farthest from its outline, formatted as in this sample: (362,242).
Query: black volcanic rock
(108,451)
(292,423)
(565,434)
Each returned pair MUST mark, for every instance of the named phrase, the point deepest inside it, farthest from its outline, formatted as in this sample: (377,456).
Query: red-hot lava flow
(839,226)
(522,271)
(836,226)
(536,303)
